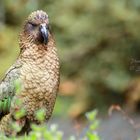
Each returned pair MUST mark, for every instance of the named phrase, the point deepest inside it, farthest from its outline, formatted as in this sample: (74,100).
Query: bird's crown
(38,16)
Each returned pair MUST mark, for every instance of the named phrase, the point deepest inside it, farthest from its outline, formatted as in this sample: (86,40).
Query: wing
(7,88)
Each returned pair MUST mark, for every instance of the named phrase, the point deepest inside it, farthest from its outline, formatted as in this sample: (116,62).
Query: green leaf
(94,125)
(40,114)
(17,84)
(16,127)
(91,115)
(20,113)
(93,136)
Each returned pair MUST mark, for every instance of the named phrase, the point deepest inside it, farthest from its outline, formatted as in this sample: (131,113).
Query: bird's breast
(40,78)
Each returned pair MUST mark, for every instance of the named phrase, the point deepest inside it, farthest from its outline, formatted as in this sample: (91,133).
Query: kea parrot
(36,70)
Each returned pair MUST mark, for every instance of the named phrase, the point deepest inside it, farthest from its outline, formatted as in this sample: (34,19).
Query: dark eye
(30,26)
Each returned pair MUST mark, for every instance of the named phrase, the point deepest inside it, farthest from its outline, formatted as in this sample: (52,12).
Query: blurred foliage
(43,132)
(96,40)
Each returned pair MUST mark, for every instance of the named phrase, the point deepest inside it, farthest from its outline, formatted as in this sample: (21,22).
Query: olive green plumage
(37,70)
(5,104)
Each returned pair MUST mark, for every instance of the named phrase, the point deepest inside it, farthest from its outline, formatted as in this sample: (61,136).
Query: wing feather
(7,88)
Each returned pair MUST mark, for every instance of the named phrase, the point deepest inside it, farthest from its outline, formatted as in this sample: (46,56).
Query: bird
(36,70)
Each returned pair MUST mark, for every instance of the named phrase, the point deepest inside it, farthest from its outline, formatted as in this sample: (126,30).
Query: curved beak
(44,33)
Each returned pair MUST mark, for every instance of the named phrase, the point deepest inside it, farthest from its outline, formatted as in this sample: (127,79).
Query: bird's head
(36,28)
